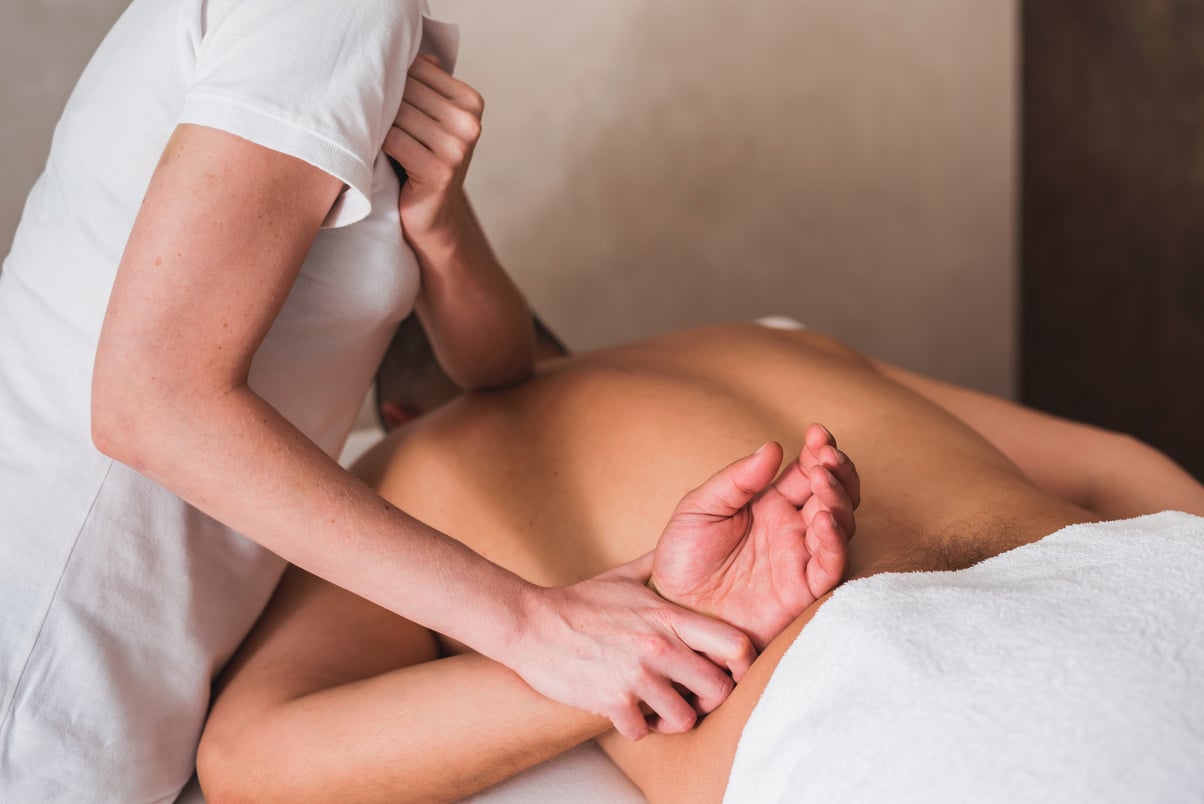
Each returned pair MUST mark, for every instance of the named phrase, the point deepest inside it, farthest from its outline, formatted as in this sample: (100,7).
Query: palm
(756,554)
(749,569)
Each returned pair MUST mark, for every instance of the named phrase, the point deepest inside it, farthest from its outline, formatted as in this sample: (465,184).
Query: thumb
(638,569)
(730,489)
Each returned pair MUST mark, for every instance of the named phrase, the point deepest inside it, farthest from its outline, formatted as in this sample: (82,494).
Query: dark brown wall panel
(1112,251)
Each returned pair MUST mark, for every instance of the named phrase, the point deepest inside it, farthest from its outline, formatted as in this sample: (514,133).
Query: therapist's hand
(612,646)
(433,138)
(477,320)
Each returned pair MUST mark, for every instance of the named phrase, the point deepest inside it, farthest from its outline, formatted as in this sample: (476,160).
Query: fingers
(638,569)
(710,686)
(711,645)
(845,472)
(408,151)
(617,647)
(669,676)
(436,135)
(442,111)
(794,484)
(731,488)
(431,156)
(800,480)
(819,449)
(631,723)
(439,115)
(672,714)
(427,70)
(826,542)
(724,645)
(437,102)
(828,495)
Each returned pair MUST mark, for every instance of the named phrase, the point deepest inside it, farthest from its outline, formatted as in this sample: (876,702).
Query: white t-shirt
(119,602)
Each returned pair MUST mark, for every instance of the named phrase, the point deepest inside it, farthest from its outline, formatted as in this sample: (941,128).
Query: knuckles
(625,714)
(458,150)
(654,647)
(680,724)
(472,102)
(470,128)
(723,688)
(465,128)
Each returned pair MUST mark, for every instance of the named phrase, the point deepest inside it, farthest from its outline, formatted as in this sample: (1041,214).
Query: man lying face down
(334,698)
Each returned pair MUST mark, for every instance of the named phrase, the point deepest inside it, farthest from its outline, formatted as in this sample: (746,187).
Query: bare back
(578,471)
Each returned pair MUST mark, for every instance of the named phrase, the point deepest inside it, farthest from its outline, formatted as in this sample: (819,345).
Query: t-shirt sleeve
(320,80)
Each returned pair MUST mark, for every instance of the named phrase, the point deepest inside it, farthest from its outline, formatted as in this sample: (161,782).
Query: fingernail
(762,448)
(831,477)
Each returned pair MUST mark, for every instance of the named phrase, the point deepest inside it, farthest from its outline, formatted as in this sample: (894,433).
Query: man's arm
(1111,474)
(333,698)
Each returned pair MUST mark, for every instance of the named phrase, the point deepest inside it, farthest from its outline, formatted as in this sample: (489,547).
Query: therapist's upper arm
(215,248)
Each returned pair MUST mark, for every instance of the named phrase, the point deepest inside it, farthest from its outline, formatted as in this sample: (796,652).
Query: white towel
(1067,670)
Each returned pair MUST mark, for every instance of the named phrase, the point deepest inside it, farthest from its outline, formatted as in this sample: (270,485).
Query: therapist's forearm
(237,459)
(478,322)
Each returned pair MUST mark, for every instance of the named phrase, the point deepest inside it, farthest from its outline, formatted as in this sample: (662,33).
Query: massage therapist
(202,284)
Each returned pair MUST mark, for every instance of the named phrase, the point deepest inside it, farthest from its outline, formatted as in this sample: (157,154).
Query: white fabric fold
(583,775)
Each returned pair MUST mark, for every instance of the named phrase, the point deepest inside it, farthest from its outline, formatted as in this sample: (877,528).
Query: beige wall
(653,165)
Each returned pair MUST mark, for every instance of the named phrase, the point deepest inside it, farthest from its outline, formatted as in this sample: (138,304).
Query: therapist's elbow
(496,376)
(123,421)
(111,428)
(506,364)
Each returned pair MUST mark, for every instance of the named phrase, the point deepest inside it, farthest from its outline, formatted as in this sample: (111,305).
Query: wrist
(439,239)
(504,633)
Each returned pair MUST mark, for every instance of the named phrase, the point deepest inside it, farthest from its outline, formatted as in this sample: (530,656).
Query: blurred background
(855,164)
(646,166)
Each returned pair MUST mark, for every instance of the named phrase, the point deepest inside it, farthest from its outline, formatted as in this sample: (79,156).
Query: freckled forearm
(237,459)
